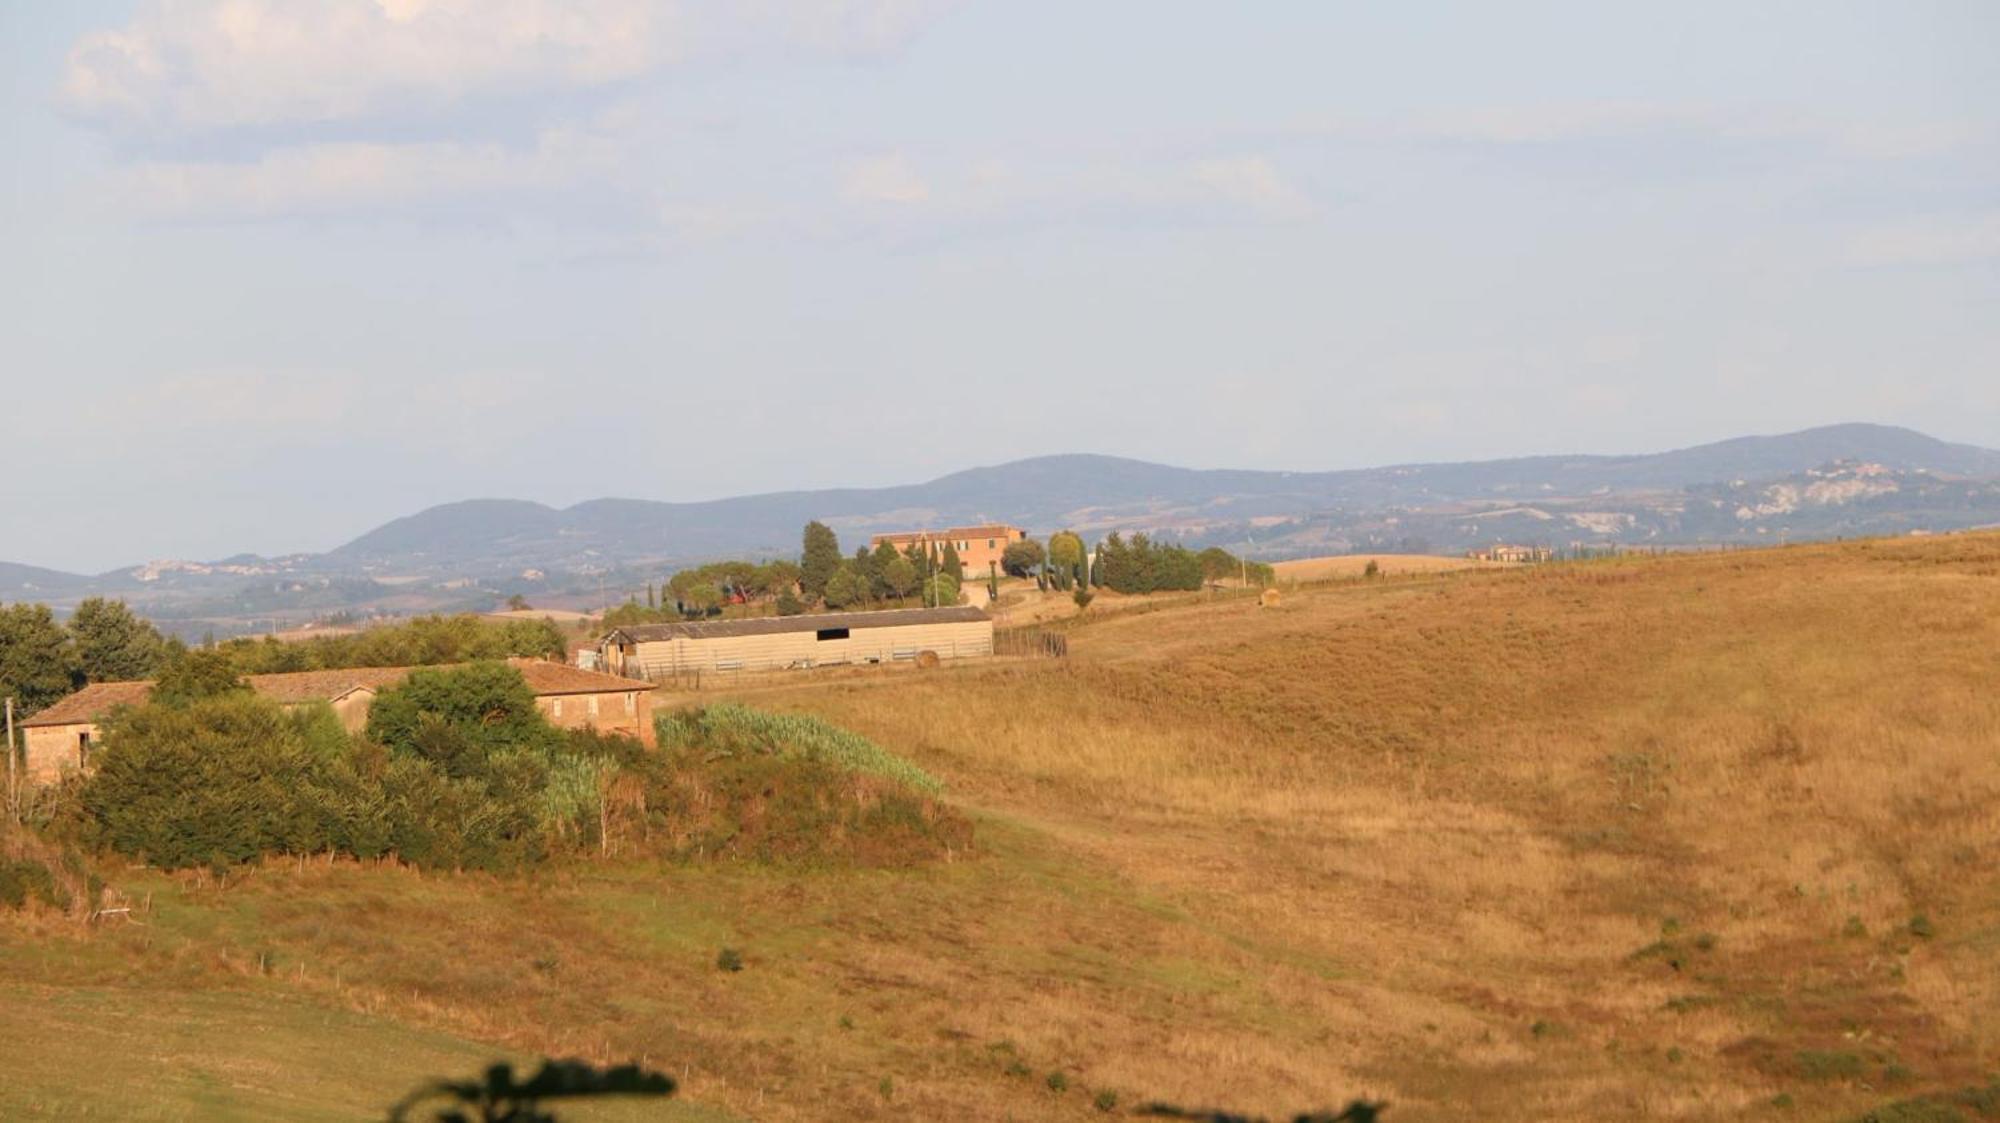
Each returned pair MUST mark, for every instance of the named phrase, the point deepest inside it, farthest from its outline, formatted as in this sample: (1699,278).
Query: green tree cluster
(457,770)
(421,641)
(42,659)
(822,578)
(1023,558)
(1139,565)
(1218,564)
(1066,560)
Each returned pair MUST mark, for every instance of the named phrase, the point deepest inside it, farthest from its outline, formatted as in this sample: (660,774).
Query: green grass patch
(728,727)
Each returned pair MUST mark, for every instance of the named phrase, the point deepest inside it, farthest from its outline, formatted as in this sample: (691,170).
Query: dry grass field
(1689,838)
(1354,565)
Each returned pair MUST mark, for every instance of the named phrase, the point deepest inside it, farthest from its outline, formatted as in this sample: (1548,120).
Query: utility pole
(13,795)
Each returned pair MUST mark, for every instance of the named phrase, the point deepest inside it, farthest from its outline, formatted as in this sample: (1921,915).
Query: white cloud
(343,177)
(885,179)
(201,65)
(1253,183)
(219,63)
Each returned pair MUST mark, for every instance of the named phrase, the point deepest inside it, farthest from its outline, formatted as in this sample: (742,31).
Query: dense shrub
(459,716)
(463,773)
(23,880)
(737,782)
(219,779)
(729,727)
(460,771)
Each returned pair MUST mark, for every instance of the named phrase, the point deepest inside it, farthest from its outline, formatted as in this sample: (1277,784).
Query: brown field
(1354,565)
(1689,838)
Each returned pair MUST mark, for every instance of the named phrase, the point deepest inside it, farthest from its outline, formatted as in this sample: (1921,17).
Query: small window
(832,633)
(989,543)
(631,701)
(593,705)
(558,707)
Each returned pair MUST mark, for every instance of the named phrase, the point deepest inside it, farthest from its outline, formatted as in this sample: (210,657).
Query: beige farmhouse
(61,737)
(979,548)
(658,651)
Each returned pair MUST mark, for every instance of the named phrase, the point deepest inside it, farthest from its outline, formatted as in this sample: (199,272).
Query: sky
(273,272)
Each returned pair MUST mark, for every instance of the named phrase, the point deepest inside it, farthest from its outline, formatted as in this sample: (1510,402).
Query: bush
(24,879)
(1827,1065)
(220,779)
(1057,1082)
(734,782)
(730,960)
(729,727)
(470,779)
(1106,1100)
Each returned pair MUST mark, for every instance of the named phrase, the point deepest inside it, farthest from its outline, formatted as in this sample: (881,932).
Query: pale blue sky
(276,271)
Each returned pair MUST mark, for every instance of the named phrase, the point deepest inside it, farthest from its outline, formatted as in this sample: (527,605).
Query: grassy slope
(1449,840)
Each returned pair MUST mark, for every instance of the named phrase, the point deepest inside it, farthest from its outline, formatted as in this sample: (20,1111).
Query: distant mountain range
(1838,480)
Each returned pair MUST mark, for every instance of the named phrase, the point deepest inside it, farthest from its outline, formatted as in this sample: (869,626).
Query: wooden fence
(1030,641)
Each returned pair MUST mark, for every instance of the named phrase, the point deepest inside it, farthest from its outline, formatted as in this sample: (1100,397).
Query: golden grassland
(1698,837)
(1354,565)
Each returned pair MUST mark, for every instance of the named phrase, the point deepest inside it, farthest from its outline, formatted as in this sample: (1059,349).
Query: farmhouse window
(630,701)
(593,705)
(558,707)
(832,633)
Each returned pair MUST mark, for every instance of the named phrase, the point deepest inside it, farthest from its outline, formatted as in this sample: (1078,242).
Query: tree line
(823,578)
(42,659)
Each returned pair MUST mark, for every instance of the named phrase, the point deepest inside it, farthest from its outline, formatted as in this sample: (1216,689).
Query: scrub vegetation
(1697,837)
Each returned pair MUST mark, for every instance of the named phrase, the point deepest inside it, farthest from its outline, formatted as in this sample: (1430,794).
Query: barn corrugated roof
(780,625)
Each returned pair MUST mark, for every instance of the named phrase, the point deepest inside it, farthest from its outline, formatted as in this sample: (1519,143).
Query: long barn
(780,642)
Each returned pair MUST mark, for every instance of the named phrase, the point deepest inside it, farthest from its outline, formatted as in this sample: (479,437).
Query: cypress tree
(819,559)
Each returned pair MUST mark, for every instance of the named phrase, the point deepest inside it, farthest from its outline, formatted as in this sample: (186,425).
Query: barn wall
(629,712)
(954,640)
(52,750)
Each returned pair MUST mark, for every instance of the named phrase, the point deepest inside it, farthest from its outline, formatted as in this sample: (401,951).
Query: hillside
(1099,493)
(1838,481)
(1690,838)
(28,582)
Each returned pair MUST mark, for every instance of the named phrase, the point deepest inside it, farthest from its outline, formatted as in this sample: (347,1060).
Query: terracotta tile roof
(779,625)
(545,678)
(323,686)
(96,700)
(90,703)
(988,530)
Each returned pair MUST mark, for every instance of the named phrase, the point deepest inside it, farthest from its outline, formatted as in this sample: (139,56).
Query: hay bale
(927,660)
(1269,599)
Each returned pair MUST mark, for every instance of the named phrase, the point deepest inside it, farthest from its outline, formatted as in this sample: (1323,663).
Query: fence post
(13,789)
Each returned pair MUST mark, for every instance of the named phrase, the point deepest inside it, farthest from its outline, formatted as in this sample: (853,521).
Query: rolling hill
(1102,493)
(1702,837)
(1837,481)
